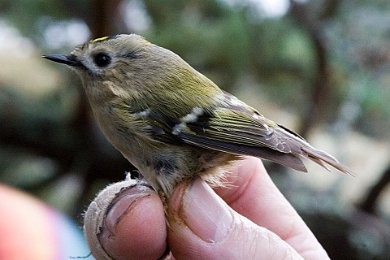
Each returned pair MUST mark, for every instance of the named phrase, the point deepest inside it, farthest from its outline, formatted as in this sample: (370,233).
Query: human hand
(249,219)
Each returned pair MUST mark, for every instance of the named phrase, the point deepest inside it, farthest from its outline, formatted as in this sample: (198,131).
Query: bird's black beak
(70,60)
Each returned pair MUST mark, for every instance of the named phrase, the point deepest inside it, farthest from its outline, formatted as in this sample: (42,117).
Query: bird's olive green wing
(240,131)
(233,127)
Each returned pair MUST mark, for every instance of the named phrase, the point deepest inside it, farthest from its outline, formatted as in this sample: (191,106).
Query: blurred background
(320,67)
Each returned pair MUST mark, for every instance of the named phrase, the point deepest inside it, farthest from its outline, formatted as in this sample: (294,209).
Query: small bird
(170,121)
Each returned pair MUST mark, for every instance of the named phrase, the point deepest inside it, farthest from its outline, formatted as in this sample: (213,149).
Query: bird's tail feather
(324,159)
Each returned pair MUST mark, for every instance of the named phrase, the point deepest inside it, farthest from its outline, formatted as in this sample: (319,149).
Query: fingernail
(107,209)
(123,204)
(205,213)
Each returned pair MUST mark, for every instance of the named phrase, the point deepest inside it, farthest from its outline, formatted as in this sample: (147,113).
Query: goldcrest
(170,121)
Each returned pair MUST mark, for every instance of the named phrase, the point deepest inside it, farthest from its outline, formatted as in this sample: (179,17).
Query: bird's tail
(324,159)
(299,148)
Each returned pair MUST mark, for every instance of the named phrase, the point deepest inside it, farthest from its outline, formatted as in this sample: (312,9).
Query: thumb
(203,226)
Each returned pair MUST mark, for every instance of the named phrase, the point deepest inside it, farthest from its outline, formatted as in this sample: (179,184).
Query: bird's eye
(102,59)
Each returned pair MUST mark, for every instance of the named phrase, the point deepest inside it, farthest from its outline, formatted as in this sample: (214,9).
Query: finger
(202,226)
(253,194)
(123,221)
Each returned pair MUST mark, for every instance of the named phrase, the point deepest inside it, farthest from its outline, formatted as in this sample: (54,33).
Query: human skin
(247,219)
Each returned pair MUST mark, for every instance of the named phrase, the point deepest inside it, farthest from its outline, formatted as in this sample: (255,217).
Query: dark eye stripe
(131,55)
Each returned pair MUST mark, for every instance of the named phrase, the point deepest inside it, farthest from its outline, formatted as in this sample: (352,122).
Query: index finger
(252,193)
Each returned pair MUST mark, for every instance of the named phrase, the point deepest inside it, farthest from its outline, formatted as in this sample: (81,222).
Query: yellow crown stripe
(100,39)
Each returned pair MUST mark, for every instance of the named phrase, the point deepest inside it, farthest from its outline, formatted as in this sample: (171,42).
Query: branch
(370,201)
(320,89)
